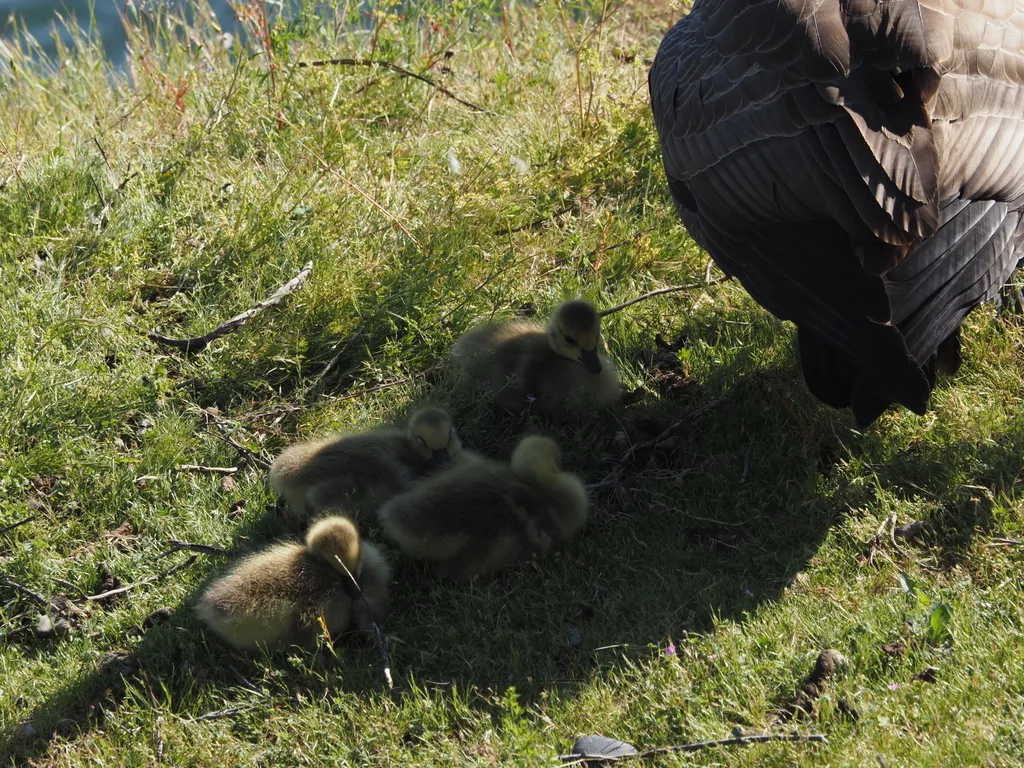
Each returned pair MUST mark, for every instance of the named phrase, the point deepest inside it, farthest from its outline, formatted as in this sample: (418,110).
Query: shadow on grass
(709,529)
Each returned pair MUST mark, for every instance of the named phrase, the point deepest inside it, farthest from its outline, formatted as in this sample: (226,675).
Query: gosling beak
(590,360)
(441,457)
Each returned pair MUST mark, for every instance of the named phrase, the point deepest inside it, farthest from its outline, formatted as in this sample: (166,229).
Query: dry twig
(396,69)
(662,292)
(333,363)
(207,470)
(25,591)
(247,453)
(12,526)
(669,432)
(199,343)
(1000,542)
(220,714)
(128,587)
(696,746)
(186,546)
(384,386)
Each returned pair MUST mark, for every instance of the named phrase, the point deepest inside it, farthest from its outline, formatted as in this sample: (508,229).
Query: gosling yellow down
(276,597)
(355,474)
(486,515)
(525,365)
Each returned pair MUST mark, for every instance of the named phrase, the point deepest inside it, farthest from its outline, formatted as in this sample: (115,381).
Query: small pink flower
(531,399)
(748,593)
(894,686)
(712,656)
(670,650)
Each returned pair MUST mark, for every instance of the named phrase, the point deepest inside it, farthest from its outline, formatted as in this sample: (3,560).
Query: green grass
(241,179)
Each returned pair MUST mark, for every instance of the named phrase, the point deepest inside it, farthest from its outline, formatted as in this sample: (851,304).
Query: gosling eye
(571,340)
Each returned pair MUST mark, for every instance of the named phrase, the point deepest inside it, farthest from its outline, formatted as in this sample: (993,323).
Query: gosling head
(536,456)
(335,538)
(575,332)
(434,436)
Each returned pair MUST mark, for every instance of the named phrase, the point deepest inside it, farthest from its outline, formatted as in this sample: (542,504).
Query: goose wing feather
(856,164)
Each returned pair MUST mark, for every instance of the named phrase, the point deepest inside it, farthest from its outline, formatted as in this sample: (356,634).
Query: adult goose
(858,166)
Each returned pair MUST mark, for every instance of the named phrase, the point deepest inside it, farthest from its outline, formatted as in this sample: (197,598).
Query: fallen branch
(396,69)
(333,363)
(12,526)
(384,386)
(662,292)
(377,632)
(207,470)
(1000,542)
(247,453)
(699,745)
(66,583)
(220,714)
(158,739)
(820,738)
(366,196)
(746,462)
(199,343)
(246,683)
(25,591)
(213,417)
(186,546)
(669,432)
(128,587)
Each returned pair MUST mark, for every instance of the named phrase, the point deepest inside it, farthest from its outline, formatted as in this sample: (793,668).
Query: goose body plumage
(857,165)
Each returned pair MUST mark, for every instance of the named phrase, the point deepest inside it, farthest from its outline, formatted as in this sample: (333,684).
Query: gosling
(355,474)
(523,364)
(483,516)
(276,598)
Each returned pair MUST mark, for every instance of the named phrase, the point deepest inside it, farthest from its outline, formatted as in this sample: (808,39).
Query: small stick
(246,683)
(674,427)
(104,154)
(746,462)
(384,386)
(366,196)
(25,591)
(697,746)
(999,542)
(158,737)
(187,546)
(892,537)
(199,343)
(12,526)
(222,713)
(221,424)
(163,574)
(248,453)
(96,187)
(67,583)
(398,70)
(207,470)
(662,292)
(333,362)
(378,634)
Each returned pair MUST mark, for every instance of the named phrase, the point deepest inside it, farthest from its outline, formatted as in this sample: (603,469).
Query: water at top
(40,17)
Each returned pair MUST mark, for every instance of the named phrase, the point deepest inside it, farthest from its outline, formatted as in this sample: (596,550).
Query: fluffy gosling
(522,363)
(355,474)
(275,598)
(486,515)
